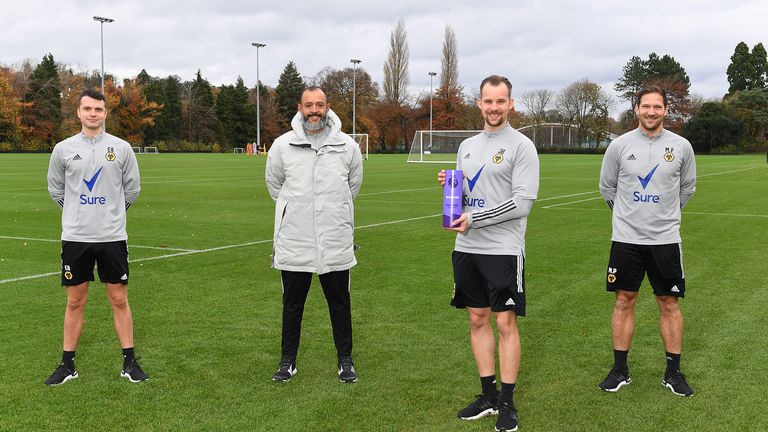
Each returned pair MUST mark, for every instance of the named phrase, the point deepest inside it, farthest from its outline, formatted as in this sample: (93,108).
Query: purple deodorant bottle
(452,194)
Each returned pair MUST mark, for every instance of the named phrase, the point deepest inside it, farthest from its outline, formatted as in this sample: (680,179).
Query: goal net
(437,146)
(136,149)
(151,150)
(362,140)
(238,150)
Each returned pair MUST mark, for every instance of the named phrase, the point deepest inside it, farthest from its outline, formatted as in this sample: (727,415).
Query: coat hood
(297,124)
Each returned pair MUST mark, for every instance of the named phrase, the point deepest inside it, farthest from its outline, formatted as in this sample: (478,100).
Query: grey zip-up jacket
(94,181)
(646,181)
(314,193)
(501,183)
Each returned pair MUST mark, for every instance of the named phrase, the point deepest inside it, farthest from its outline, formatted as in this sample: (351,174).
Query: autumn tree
(338,86)
(751,107)
(271,121)
(129,111)
(9,108)
(396,66)
(584,104)
(199,111)
(448,100)
(538,103)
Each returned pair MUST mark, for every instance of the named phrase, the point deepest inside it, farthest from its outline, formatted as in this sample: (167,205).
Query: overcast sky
(537,44)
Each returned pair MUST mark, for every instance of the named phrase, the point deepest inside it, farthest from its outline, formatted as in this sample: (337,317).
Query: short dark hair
(648,89)
(93,94)
(313,88)
(496,80)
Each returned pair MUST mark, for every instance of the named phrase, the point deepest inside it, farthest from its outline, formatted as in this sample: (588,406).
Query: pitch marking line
(595,198)
(572,202)
(129,245)
(199,251)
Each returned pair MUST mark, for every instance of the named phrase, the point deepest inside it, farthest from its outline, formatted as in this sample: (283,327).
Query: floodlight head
(432,73)
(102,19)
(258,45)
(356,61)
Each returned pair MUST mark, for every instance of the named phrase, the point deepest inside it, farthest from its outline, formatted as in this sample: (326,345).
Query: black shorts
(77,261)
(495,281)
(663,264)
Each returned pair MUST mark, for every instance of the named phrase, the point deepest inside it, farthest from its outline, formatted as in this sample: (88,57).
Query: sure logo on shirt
(110,154)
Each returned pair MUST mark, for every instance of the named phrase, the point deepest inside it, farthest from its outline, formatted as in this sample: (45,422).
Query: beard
(496,123)
(651,125)
(314,127)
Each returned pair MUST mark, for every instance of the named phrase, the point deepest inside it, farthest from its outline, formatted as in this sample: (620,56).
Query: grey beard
(311,127)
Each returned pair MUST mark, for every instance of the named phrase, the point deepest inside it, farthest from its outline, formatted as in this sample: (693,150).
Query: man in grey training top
(314,172)
(94,177)
(501,172)
(647,176)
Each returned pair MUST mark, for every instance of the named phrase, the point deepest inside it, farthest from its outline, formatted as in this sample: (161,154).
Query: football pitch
(206,308)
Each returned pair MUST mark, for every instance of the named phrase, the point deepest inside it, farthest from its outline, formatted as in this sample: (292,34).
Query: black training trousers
(336,289)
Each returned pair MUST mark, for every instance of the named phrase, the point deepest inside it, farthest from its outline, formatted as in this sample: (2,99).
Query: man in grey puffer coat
(314,172)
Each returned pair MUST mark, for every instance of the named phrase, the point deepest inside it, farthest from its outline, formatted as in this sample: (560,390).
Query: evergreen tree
(44,94)
(236,114)
(712,127)
(739,71)
(288,93)
(665,72)
(760,66)
(170,120)
(152,90)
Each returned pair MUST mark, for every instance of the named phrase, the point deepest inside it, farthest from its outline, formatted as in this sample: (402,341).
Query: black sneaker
(62,374)
(481,407)
(133,372)
(285,371)
(347,372)
(507,419)
(615,379)
(675,381)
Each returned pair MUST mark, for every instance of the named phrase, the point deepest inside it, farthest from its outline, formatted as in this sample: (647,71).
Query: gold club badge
(669,156)
(611,278)
(68,275)
(498,157)
(110,154)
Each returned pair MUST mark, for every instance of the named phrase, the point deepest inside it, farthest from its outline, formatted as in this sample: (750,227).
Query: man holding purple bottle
(500,170)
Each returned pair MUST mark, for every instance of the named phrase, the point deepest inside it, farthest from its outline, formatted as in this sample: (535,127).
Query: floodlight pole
(102,20)
(258,96)
(431,75)
(355,62)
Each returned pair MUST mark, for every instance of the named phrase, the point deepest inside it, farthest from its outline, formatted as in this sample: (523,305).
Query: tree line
(37,104)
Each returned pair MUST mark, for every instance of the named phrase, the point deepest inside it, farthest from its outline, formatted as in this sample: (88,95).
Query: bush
(34,145)
(571,150)
(729,149)
(6,147)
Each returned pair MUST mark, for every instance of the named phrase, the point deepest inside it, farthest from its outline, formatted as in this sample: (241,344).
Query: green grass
(207,325)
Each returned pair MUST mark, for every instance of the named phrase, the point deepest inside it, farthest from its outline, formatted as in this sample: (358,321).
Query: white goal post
(151,150)
(362,140)
(438,146)
(238,150)
(136,149)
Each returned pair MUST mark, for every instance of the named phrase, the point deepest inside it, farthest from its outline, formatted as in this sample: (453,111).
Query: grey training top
(95,181)
(501,171)
(646,181)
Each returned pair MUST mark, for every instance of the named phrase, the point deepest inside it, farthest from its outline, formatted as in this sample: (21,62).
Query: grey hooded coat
(314,192)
